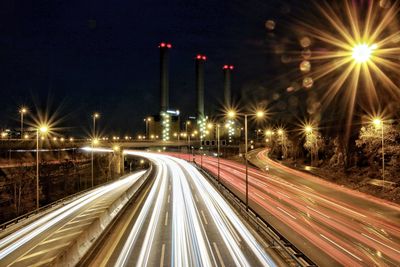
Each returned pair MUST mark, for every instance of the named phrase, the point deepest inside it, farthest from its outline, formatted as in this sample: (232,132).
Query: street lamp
(258,114)
(147,121)
(308,129)
(42,129)
(22,111)
(362,52)
(95,116)
(378,123)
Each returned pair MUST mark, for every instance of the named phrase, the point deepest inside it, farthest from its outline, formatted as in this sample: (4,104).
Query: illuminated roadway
(181,221)
(45,237)
(330,224)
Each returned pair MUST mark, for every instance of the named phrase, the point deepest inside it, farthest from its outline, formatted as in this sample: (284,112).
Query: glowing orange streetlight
(378,123)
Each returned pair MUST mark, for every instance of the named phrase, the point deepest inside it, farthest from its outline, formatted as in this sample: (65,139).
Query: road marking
(204,217)
(218,255)
(287,213)
(383,244)
(103,262)
(166,219)
(339,246)
(319,212)
(259,195)
(162,255)
(195,196)
(168,198)
(344,208)
(283,194)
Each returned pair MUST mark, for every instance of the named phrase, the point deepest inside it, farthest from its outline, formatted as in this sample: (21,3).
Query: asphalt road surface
(332,225)
(40,241)
(180,221)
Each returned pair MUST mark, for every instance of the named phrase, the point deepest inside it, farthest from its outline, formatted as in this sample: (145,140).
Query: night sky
(76,57)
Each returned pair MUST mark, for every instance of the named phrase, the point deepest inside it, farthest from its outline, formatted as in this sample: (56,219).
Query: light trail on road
(346,229)
(35,241)
(186,221)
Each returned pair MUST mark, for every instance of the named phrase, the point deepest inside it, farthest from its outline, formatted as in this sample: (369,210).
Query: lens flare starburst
(356,53)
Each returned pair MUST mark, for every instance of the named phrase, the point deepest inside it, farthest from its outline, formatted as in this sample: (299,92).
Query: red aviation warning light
(165,45)
(201,57)
(228,67)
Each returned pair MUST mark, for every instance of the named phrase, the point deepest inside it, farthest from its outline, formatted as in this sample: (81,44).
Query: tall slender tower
(200,60)
(228,99)
(227,85)
(164,90)
(164,75)
(201,118)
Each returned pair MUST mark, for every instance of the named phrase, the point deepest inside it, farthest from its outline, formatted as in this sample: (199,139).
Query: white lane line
(204,217)
(195,196)
(339,246)
(318,212)
(337,205)
(260,196)
(218,255)
(287,213)
(166,219)
(383,244)
(283,194)
(162,255)
(168,198)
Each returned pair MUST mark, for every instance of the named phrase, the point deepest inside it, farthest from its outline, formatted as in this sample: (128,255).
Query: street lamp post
(147,120)
(259,114)
(218,149)
(41,129)
(187,134)
(95,116)
(308,129)
(379,123)
(22,111)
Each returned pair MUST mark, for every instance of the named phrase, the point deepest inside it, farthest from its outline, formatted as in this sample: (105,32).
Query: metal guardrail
(25,216)
(260,223)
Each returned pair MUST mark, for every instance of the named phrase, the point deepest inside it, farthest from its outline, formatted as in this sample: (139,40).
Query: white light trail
(22,236)
(190,245)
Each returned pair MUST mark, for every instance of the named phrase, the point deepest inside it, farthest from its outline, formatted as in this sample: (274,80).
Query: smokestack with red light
(227,85)
(200,60)
(164,75)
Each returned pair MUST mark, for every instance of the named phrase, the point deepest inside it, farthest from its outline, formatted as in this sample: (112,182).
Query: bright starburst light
(355,55)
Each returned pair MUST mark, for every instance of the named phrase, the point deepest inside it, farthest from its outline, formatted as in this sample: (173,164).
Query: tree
(370,143)
(313,143)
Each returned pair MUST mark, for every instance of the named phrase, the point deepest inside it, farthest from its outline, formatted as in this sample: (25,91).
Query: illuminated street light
(231,114)
(22,111)
(308,129)
(258,114)
(362,52)
(378,123)
(95,116)
(42,129)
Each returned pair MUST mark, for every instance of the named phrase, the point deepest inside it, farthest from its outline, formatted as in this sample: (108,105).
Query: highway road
(47,236)
(330,224)
(180,221)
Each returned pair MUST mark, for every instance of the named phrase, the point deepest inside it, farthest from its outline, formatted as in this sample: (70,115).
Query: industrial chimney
(227,85)
(200,60)
(164,75)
